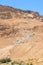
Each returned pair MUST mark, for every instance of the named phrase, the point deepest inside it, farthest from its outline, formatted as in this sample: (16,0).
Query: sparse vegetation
(5,60)
(20,63)
(8,61)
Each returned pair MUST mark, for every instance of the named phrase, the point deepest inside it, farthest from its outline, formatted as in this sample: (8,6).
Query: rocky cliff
(21,35)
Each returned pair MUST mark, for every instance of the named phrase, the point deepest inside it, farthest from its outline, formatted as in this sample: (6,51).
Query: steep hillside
(21,35)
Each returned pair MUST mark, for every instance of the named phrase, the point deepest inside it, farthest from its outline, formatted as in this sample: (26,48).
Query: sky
(34,5)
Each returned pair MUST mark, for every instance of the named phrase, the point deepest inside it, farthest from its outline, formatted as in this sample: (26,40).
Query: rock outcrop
(21,35)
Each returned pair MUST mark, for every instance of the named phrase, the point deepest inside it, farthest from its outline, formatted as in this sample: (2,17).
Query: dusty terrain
(21,35)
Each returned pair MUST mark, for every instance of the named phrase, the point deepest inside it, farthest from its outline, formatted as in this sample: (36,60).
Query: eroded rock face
(7,30)
(21,35)
(5,13)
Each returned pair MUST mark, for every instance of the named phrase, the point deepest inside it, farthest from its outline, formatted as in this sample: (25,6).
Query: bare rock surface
(21,35)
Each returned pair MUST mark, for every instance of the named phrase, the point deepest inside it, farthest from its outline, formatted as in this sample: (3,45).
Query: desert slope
(21,34)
